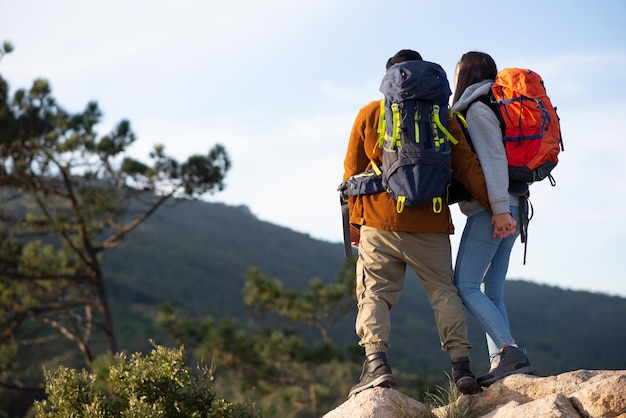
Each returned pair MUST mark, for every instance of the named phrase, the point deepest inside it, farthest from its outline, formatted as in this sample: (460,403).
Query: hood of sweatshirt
(472,93)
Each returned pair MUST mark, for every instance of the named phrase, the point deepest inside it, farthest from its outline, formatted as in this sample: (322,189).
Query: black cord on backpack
(525,215)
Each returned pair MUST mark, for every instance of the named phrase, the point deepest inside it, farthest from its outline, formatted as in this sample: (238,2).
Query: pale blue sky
(279,82)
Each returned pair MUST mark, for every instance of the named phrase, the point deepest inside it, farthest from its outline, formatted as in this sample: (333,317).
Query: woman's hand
(504,225)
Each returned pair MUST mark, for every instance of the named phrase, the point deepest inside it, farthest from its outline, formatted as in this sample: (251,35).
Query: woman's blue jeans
(483,259)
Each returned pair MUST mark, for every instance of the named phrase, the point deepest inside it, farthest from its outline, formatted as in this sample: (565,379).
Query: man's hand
(355,236)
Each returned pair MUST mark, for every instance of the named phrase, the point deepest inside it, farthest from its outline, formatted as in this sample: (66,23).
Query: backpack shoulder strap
(460,117)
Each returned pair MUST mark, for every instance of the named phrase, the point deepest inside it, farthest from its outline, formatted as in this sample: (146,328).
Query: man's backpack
(416,162)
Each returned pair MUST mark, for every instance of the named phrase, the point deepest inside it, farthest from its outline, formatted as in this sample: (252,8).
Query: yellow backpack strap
(376,169)
(396,125)
(443,129)
(459,116)
(382,125)
(416,119)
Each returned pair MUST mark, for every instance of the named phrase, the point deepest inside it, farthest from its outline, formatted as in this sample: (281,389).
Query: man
(389,241)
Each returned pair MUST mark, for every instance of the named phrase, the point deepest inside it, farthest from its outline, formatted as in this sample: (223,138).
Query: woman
(487,240)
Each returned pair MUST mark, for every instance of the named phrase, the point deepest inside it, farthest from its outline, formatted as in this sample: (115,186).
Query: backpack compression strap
(438,124)
(382,125)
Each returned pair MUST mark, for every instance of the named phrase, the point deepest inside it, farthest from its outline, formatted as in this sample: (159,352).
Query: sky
(279,82)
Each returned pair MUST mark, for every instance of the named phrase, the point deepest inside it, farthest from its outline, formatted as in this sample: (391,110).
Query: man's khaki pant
(380,273)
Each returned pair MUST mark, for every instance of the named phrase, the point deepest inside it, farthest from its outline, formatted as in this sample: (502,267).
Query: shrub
(158,385)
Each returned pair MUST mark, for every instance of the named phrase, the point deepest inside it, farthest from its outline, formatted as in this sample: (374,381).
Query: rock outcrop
(576,394)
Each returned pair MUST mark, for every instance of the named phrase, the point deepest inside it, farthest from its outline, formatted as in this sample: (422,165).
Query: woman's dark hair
(472,68)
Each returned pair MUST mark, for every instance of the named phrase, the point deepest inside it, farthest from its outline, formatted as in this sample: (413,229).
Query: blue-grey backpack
(417,155)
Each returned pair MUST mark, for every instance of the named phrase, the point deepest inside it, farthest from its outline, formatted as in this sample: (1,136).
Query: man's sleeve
(466,166)
(356,159)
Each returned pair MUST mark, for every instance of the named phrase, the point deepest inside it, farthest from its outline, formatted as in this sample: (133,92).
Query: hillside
(194,255)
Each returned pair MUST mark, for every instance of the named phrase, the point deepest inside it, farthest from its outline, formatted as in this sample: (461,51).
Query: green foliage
(158,385)
(285,367)
(320,306)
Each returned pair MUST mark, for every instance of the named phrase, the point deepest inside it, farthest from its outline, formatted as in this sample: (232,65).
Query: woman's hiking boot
(464,379)
(512,361)
(376,372)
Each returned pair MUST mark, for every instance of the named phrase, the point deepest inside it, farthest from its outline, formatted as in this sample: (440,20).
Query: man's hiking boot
(376,372)
(464,379)
(512,361)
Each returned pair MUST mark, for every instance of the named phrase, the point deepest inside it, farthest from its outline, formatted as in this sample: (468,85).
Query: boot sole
(492,380)
(386,380)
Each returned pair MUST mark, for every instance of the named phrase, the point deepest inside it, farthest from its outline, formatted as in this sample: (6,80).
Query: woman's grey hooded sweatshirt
(486,134)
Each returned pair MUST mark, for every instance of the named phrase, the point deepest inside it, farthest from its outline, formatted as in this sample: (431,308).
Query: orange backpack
(531,127)
(532,136)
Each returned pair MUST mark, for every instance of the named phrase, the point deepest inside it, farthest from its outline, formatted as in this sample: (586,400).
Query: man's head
(404,55)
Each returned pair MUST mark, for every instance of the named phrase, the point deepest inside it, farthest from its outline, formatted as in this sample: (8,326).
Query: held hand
(504,225)
(355,236)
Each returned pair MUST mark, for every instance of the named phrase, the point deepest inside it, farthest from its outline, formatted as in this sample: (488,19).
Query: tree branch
(114,240)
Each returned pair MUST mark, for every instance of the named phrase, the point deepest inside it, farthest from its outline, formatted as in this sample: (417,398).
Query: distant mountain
(194,255)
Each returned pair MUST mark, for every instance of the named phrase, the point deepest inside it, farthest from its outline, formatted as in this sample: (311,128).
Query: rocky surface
(580,393)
